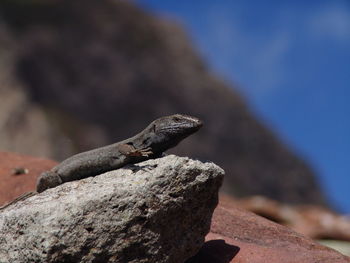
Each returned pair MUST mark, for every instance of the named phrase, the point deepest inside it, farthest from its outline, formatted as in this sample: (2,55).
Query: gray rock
(155,211)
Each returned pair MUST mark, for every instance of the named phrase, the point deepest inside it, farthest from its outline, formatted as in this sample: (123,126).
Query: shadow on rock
(215,251)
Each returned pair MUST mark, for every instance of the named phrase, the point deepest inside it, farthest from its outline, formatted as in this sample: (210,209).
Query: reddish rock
(18,174)
(310,220)
(239,236)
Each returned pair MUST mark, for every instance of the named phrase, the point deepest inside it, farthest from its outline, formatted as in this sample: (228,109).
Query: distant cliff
(79,74)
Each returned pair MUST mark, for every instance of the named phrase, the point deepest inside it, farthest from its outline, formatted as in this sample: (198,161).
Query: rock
(24,125)
(18,174)
(239,236)
(155,211)
(341,246)
(310,220)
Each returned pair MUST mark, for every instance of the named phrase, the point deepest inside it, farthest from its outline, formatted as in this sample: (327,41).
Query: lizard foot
(145,152)
(129,150)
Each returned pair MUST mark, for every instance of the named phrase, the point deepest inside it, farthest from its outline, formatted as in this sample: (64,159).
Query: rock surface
(155,211)
(239,236)
(341,246)
(236,235)
(310,220)
(18,174)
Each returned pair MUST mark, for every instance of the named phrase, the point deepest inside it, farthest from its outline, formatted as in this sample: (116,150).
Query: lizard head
(168,131)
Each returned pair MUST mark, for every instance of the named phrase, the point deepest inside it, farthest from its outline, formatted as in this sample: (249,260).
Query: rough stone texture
(132,67)
(155,211)
(13,185)
(239,236)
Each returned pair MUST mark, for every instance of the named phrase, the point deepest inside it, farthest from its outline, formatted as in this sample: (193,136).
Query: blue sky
(291,61)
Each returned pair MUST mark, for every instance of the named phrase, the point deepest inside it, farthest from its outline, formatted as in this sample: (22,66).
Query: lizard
(159,136)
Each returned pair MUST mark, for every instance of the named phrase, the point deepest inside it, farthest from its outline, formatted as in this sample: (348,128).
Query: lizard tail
(20,198)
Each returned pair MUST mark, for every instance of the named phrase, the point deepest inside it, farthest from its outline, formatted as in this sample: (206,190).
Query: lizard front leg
(130,150)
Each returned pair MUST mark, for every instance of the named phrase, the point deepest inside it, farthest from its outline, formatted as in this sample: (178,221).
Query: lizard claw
(146,152)
(129,150)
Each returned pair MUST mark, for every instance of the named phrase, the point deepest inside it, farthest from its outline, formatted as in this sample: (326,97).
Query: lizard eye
(176,119)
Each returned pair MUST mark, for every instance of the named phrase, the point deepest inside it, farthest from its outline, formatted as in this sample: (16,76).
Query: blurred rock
(341,246)
(312,221)
(93,72)
(18,174)
(23,124)
(155,211)
(240,236)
